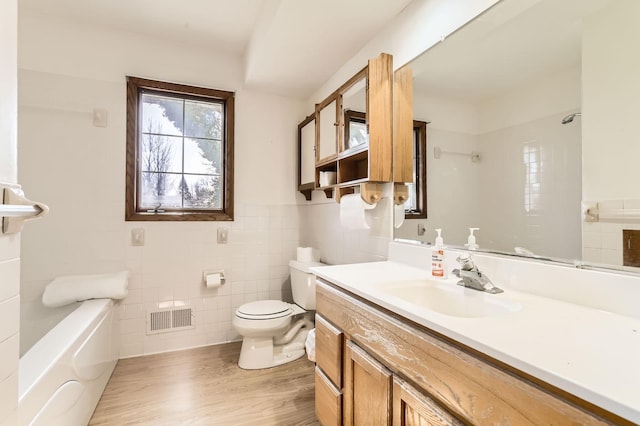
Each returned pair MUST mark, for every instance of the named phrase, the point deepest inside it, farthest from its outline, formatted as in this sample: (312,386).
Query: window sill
(179,217)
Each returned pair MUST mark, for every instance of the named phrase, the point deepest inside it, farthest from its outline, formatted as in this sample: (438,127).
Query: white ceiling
(290,47)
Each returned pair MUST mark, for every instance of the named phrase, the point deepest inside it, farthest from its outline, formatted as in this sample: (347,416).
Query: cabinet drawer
(329,350)
(328,401)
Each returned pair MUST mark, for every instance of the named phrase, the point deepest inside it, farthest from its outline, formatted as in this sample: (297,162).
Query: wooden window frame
(135,86)
(420,128)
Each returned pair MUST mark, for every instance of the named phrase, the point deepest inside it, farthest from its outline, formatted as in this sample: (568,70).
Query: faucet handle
(466,262)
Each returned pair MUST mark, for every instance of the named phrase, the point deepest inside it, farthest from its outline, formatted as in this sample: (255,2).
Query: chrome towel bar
(15,209)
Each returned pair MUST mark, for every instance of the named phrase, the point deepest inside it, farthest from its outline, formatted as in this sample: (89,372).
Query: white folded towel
(74,288)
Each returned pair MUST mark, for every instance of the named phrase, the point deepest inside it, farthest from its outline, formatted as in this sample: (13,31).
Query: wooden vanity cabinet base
(450,384)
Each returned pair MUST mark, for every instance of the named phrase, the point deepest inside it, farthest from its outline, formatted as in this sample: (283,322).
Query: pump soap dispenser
(471,241)
(437,257)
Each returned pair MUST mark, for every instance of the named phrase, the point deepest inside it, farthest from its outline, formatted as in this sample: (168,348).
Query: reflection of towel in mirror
(74,288)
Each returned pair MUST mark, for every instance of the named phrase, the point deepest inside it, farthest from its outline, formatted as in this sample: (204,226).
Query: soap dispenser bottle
(471,241)
(437,257)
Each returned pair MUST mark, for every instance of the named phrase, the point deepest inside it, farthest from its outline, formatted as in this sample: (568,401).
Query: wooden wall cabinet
(403,134)
(366,164)
(384,102)
(400,373)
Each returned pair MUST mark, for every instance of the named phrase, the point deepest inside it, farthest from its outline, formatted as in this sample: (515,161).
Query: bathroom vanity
(395,347)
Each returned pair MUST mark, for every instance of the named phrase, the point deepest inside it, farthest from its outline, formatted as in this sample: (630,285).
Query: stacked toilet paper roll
(308,255)
(305,254)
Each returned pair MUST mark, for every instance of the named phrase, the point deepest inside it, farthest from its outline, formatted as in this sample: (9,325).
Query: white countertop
(587,352)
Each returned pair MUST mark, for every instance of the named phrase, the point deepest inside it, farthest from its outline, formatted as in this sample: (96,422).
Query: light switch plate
(137,237)
(100,117)
(223,235)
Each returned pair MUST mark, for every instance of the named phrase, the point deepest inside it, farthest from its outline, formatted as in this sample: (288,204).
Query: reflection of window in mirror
(355,132)
(416,205)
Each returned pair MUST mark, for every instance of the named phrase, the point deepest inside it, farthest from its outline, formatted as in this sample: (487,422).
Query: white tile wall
(602,241)
(491,194)
(320,228)
(9,327)
(9,245)
(170,266)
(540,195)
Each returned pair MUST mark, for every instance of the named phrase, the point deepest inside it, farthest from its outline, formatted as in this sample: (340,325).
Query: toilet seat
(264,310)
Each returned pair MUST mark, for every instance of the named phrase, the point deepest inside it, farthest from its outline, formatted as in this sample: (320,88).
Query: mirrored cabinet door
(355,133)
(306,155)
(307,152)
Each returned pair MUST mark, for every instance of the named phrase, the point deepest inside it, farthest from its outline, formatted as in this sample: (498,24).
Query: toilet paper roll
(213,280)
(352,211)
(305,254)
(398,215)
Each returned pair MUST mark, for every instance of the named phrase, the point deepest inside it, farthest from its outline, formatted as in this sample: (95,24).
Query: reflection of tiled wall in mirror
(604,241)
(631,247)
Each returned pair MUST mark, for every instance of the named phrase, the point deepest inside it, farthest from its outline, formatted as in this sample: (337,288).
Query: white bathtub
(62,377)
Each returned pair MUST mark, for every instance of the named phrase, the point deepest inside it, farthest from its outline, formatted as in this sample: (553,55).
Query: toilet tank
(303,283)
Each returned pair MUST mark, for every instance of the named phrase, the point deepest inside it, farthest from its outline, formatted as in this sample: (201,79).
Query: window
(416,205)
(532,158)
(179,152)
(356,132)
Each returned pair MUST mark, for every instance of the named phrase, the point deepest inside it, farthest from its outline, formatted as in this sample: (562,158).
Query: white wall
(611,102)
(9,245)
(67,69)
(452,180)
(611,106)
(546,220)
(421,25)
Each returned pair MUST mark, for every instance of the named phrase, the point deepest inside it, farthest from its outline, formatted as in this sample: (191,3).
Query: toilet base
(258,353)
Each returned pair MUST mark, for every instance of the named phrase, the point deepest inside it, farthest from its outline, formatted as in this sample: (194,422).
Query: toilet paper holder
(213,278)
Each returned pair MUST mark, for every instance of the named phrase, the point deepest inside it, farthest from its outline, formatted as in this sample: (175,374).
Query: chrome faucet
(471,277)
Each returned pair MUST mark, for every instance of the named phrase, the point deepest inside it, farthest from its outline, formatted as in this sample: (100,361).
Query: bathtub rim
(34,364)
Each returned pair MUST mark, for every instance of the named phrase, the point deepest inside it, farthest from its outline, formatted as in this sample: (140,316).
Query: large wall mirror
(532,109)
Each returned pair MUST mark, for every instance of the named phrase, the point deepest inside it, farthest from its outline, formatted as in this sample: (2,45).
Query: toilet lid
(264,309)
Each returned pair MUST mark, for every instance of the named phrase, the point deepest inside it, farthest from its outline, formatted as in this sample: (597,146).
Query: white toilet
(269,337)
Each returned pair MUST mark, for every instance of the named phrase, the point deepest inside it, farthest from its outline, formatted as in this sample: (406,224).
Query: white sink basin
(450,299)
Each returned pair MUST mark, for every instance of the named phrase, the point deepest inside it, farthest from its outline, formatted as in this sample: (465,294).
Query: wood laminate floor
(205,386)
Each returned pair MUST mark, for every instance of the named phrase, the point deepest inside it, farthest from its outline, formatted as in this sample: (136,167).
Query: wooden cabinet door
(413,408)
(367,389)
